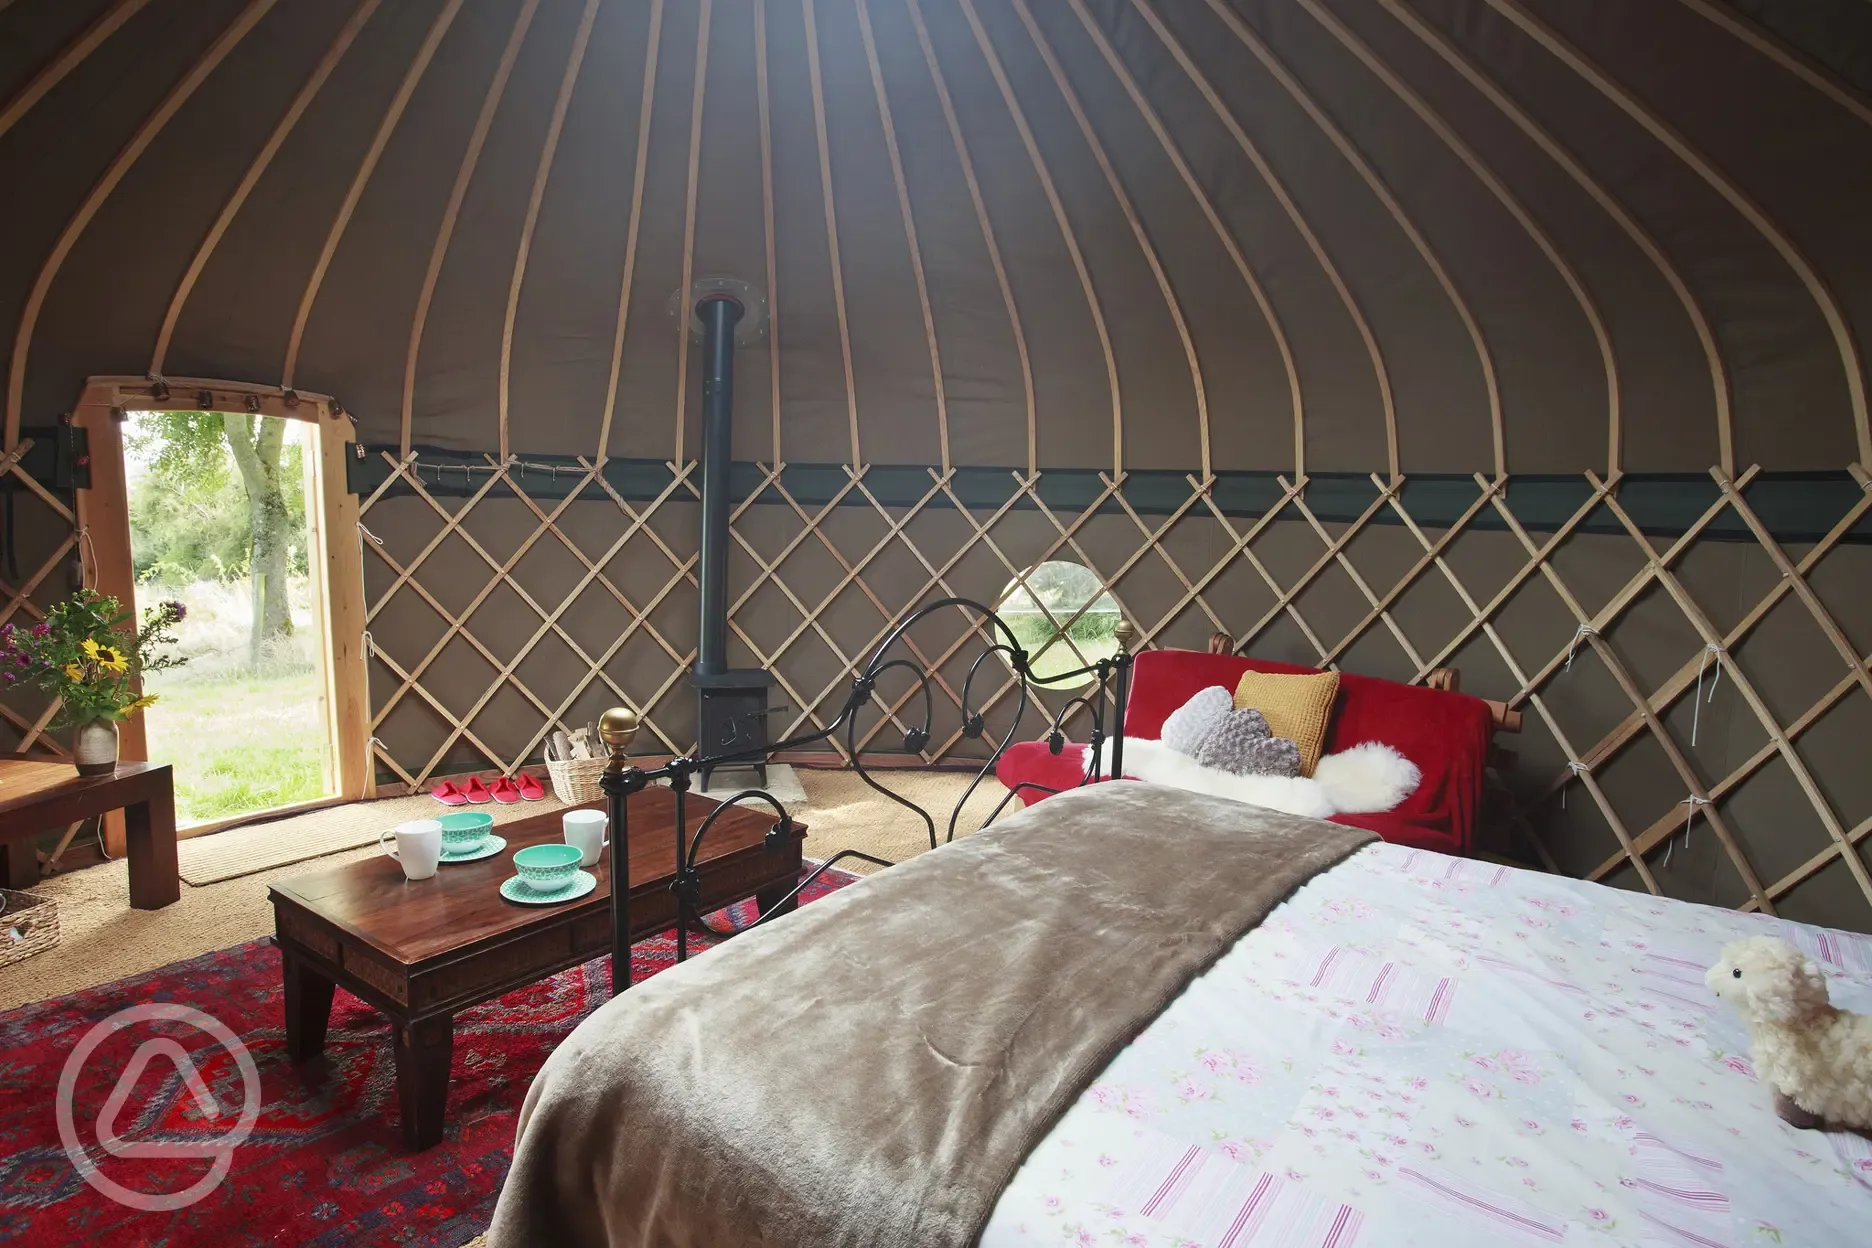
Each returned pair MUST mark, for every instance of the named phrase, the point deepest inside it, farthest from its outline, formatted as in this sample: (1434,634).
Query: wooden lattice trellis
(1064,537)
(21,603)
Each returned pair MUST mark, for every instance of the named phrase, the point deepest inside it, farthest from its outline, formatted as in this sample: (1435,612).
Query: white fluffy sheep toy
(1816,1057)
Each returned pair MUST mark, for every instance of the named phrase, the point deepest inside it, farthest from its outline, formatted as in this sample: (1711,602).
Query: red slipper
(475,791)
(448,794)
(504,792)
(530,789)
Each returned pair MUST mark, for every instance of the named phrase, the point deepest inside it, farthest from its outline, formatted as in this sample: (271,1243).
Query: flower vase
(94,748)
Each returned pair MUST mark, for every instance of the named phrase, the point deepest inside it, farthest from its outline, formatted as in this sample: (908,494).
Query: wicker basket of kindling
(575,780)
(28,925)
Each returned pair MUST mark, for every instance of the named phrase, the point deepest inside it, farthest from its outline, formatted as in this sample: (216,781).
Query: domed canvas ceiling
(1429,236)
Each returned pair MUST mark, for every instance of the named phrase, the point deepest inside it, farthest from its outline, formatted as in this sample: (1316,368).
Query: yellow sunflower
(148,699)
(89,647)
(111,659)
(75,671)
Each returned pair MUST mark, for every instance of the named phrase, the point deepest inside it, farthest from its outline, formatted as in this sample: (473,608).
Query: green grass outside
(238,742)
(1094,633)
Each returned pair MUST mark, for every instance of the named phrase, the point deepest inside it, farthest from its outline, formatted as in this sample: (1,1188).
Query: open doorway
(219,505)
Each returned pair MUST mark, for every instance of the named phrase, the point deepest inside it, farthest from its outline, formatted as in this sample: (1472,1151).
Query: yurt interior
(1134,586)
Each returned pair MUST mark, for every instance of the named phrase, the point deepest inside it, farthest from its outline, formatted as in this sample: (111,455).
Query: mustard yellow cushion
(1296,707)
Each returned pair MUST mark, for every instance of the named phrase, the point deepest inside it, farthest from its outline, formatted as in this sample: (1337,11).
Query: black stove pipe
(719,314)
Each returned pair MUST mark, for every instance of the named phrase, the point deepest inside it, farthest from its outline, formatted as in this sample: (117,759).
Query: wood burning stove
(731,717)
(731,704)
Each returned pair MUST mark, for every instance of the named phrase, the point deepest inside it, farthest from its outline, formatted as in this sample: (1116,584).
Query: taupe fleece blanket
(873,1069)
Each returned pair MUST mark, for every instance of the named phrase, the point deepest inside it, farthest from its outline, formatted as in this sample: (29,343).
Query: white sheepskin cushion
(1190,723)
(1367,778)
(1158,763)
(1362,780)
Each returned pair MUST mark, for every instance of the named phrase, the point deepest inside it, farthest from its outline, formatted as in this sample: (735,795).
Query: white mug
(418,847)
(586,829)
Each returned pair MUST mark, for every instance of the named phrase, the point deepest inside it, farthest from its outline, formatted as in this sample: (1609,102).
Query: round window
(1063,618)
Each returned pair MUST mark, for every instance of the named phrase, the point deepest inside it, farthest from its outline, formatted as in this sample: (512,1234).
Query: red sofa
(1446,734)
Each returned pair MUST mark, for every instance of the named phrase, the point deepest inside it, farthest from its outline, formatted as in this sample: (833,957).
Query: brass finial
(617,728)
(1123,631)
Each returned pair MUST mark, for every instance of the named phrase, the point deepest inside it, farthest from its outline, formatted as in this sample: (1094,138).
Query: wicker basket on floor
(575,781)
(29,925)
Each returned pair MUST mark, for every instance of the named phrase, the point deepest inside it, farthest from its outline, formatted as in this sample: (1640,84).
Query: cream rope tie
(1579,634)
(364,533)
(1691,802)
(1579,770)
(1696,710)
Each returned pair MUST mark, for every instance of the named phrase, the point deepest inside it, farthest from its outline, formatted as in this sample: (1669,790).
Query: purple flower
(9,677)
(41,629)
(178,610)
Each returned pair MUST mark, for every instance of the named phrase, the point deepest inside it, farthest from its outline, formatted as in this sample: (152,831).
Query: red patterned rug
(325,1163)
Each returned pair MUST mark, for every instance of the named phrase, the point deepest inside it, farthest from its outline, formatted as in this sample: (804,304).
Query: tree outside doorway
(217,521)
(186,450)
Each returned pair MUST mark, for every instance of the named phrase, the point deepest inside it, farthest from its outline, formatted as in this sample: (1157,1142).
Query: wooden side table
(36,795)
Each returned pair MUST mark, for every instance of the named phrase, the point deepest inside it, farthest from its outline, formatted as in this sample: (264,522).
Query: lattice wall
(44,539)
(497,614)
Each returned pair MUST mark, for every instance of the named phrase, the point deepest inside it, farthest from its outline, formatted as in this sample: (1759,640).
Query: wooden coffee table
(36,795)
(422,950)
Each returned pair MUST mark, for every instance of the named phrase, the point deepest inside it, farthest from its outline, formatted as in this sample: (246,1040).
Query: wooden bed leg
(1221,643)
(1448,679)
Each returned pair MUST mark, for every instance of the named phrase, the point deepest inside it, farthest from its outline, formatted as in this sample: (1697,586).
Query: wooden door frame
(334,559)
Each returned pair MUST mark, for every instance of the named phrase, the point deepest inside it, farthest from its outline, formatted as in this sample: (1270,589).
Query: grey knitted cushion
(1241,743)
(1186,727)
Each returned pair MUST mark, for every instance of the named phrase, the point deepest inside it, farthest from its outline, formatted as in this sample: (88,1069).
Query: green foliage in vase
(91,654)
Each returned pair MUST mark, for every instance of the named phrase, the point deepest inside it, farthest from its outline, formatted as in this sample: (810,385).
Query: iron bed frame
(1107,695)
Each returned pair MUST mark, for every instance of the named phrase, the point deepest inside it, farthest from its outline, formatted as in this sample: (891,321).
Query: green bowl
(547,867)
(465,830)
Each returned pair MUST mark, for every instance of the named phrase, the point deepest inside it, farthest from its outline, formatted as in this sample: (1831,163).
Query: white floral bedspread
(1417,1049)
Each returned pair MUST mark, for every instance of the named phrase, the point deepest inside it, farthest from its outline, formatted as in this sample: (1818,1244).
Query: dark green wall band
(1794,506)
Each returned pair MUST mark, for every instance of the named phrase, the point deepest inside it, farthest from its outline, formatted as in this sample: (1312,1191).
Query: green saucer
(517,889)
(493,845)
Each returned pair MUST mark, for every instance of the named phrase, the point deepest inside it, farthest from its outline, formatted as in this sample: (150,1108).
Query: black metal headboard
(1103,702)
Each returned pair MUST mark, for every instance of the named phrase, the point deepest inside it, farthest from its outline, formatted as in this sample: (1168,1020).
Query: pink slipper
(475,791)
(530,789)
(448,794)
(504,792)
